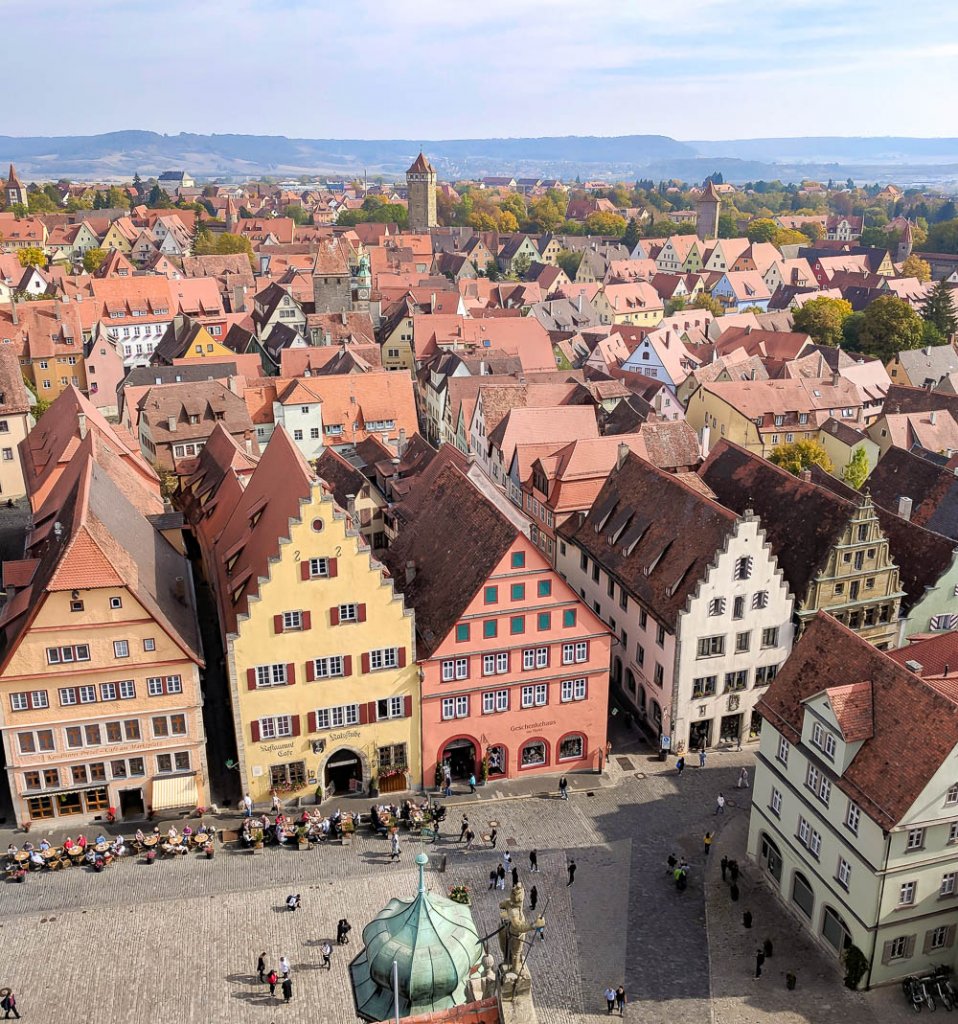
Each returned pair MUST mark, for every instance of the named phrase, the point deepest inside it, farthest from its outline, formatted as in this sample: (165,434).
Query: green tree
(209,244)
(812,230)
(93,260)
(630,238)
(40,202)
(40,405)
(822,319)
(761,230)
(856,470)
(915,266)
(705,301)
(20,210)
(569,261)
(890,326)
(675,305)
(939,310)
(800,455)
(492,270)
(117,199)
(943,236)
(520,265)
(727,226)
(605,224)
(31,256)
(158,199)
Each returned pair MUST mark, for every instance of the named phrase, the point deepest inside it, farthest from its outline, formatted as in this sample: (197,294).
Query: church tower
(14,189)
(707,209)
(905,244)
(421,188)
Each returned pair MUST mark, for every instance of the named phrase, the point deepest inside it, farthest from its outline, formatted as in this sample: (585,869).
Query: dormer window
(824,740)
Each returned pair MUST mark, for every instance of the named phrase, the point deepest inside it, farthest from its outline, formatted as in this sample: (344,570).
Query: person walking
(470,838)
(610,998)
(759,960)
(342,932)
(702,758)
(472,782)
(564,788)
(394,850)
(680,765)
(724,865)
(292,902)
(9,1005)
(533,898)
(620,1000)
(671,864)
(743,779)
(463,828)
(720,804)
(507,860)
(515,875)
(707,843)
(494,837)
(284,966)
(272,978)
(500,877)
(447,783)
(571,873)
(261,968)
(534,861)
(287,990)
(327,950)
(247,806)
(277,805)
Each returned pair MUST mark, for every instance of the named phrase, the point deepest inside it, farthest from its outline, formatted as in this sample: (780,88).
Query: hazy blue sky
(425,69)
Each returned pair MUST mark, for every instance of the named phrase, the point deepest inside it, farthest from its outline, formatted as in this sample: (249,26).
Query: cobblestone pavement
(183,936)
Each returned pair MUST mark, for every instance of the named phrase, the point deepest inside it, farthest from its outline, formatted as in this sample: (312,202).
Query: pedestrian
(563,788)
(680,876)
(702,758)
(533,898)
(272,978)
(287,990)
(470,837)
(284,966)
(571,873)
(247,806)
(493,838)
(620,1000)
(707,842)
(463,828)
(472,782)
(9,1004)
(743,779)
(720,804)
(500,877)
(327,950)
(540,929)
(261,968)
(671,864)
(534,861)
(680,765)
(747,919)
(277,805)
(610,998)
(292,902)
(394,850)
(733,871)
(507,859)
(342,932)
(515,875)
(724,865)
(492,878)
(759,960)
(447,783)
(733,893)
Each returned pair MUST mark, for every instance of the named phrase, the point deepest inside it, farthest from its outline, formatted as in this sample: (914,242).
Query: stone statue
(515,927)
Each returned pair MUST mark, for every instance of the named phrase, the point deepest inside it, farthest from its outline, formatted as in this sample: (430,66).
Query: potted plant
(484,770)
(301,841)
(149,857)
(856,964)
(460,894)
(208,850)
(373,784)
(440,775)
(257,840)
(20,874)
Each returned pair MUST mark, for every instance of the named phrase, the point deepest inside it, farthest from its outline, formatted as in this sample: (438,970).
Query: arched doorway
(345,771)
(834,930)
(460,755)
(802,895)
(771,858)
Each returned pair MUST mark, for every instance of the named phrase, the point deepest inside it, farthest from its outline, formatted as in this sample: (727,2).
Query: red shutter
(311,721)
(333,564)
(251,678)
(402,657)
(307,620)
(310,670)
(364,659)
(278,623)
(363,714)
(371,715)
(304,569)
(407,706)
(254,731)
(361,614)
(290,674)
(296,725)
(348,665)
(334,615)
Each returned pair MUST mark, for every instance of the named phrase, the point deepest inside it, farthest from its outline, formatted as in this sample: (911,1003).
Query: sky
(434,69)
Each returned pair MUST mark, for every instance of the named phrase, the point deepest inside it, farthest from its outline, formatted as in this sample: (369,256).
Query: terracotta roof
(420,165)
(211,401)
(933,489)
(879,779)
(853,708)
(14,398)
(542,425)
(342,478)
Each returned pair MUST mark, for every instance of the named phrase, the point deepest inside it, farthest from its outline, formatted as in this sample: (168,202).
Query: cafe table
(150,841)
(21,857)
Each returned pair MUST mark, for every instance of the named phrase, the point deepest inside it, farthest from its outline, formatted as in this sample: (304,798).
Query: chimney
(171,423)
(351,506)
(904,507)
(179,589)
(410,572)
(81,423)
(482,367)
(914,666)
(704,441)
(932,416)
(401,446)
(806,475)
(622,455)
(57,315)
(14,317)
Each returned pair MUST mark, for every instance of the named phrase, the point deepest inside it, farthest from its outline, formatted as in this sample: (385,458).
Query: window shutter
(334,615)
(364,660)
(278,623)
(254,731)
(310,670)
(251,678)
(371,715)
(361,613)
(333,564)
(402,657)
(886,953)
(363,714)
(348,665)
(950,936)
(311,721)
(307,620)
(304,569)
(290,674)
(926,948)
(407,706)
(910,945)
(296,725)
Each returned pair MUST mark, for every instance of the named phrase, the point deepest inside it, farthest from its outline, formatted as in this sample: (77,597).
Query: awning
(175,792)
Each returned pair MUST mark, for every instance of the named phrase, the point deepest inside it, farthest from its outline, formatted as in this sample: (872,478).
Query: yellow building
(100,702)
(636,303)
(319,648)
(187,339)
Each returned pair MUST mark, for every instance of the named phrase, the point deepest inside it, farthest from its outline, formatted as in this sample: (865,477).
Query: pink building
(514,667)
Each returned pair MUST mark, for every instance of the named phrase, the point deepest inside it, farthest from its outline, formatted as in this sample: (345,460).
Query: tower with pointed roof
(15,190)
(905,243)
(708,206)
(421,188)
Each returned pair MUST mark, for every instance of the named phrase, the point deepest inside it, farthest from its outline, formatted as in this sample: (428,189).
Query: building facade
(421,188)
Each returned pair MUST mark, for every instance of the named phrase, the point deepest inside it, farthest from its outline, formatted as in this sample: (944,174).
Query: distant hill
(118,155)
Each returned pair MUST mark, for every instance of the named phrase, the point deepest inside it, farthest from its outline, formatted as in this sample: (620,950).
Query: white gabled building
(694,596)
(854,820)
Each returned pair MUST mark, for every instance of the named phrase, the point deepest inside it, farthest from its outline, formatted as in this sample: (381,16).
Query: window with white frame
(494,701)
(270,675)
(575,653)
(157,686)
(775,802)
(278,725)
(121,649)
(947,887)
(915,839)
(823,739)
(384,657)
(573,689)
(390,707)
(318,568)
(818,784)
(349,613)
(710,646)
(455,707)
(455,668)
(853,815)
(782,753)
(844,873)
(66,655)
(938,937)
(495,664)
(328,668)
(953,832)
(951,797)
(535,657)
(338,716)
(897,947)
(292,620)
(535,696)
(906,894)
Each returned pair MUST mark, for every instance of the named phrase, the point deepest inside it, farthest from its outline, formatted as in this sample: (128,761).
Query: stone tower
(708,206)
(905,244)
(15,192)
(421,186)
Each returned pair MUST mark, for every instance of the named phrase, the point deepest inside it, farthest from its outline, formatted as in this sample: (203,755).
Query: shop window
(532,754)
(571,748)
